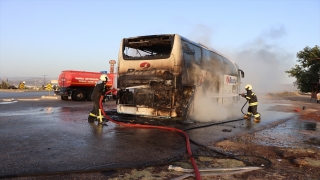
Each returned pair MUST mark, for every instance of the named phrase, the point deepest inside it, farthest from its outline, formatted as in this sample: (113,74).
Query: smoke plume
(264,63)
(206,109)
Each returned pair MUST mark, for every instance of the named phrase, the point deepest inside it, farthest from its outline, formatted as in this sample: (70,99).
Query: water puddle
(293,133)
(31,111)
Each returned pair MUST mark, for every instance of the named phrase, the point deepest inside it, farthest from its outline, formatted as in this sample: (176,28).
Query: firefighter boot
(101,119)
(247,116)
(257,118)
(91,119)
(102,123)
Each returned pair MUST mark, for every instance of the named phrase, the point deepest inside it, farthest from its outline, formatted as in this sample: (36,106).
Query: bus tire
(78,95)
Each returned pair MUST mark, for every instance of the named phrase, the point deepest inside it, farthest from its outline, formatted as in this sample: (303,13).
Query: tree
(306,72)
(4,85)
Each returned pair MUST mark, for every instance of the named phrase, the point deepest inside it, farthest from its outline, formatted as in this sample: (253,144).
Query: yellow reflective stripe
(91,114)
(249,113)
(257,115)
(248,97)
(100,116)
(253,104)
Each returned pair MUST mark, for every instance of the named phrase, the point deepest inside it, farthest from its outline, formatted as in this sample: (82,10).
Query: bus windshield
(148,47)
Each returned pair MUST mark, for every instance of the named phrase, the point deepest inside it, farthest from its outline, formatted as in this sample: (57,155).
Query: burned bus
(160,75)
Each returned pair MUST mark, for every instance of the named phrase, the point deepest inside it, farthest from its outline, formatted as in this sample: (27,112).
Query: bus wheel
(78,95)
(64,97)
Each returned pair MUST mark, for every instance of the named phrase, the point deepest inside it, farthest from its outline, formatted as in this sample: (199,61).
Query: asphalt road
(16,94)
(52,136)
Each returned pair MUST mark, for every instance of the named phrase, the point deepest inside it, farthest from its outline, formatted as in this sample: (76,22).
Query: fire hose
(244,103)
(194,164)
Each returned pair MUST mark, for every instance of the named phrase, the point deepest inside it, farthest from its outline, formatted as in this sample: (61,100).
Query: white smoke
(264,63)
(206,109)
(201,33)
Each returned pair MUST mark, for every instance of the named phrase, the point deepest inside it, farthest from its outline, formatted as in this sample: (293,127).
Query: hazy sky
(44,37)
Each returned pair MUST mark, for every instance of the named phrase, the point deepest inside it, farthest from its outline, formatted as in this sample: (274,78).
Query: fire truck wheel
(64,97)
(78,95)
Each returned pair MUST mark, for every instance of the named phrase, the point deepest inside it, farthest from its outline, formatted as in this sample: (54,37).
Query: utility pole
(44,80)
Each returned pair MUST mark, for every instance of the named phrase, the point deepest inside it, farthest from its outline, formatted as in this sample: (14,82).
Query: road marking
(6,102)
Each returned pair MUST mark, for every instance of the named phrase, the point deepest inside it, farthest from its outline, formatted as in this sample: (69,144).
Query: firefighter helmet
(248,87)
(104,77)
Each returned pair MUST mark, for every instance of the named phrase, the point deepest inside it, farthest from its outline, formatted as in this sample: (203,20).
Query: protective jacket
(252,98)
(98,91)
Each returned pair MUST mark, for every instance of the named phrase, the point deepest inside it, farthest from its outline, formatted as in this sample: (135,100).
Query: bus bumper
(146,111)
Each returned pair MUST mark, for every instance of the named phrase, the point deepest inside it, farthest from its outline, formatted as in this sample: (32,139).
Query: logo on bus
(145,65)
(232,80)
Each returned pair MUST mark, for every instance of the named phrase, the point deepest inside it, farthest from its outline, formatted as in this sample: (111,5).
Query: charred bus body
(159,76)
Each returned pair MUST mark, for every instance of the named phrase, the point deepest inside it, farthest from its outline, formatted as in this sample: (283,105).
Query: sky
(41,38)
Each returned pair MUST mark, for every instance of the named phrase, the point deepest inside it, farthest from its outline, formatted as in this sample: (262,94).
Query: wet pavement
(48,139)
(49,136)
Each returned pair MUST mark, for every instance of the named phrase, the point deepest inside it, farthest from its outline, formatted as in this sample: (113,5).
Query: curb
(8,100)
(37,99)
(28,99)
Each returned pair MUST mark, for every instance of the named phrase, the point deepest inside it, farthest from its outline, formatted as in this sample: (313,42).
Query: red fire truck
(79,84)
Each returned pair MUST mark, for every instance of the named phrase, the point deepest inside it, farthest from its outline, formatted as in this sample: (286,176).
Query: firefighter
(99,89)
(253,104)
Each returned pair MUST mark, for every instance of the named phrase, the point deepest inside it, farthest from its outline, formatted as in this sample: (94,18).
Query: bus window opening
(147,47)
